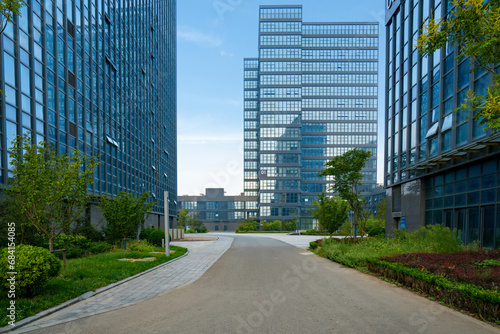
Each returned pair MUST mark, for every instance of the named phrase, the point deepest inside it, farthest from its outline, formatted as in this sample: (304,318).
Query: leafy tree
(48,191)
(475,26)
(187,218)
(381,209)
(183,218)
(124,214)
(346,171)
(331,213)
(248,225)
(271,226)
(289,225)
(9,8)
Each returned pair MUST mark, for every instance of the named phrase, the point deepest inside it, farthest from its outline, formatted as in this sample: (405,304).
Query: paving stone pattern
(202,255)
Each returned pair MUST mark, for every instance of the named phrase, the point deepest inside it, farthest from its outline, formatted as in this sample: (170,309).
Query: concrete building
(100,77)
(217,211)
(311,94)
(441,166)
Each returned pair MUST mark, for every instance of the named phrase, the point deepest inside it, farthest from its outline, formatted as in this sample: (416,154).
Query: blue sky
(213,38)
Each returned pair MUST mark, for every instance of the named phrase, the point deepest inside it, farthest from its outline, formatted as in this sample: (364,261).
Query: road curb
(84,296)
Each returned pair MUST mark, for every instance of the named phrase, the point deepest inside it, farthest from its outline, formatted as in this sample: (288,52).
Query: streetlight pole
(167,224)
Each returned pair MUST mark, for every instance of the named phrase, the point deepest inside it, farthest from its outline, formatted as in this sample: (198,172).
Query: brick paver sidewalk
(202,255)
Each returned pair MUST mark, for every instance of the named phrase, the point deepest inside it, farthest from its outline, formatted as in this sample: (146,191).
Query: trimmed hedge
(34,266)
(315,244)
(463,295)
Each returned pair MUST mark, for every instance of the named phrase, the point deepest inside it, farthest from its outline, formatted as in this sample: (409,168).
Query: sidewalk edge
(84,296)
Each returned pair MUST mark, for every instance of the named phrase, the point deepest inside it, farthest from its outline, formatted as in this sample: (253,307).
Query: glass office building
(441,166)
(98,76)
(311,94)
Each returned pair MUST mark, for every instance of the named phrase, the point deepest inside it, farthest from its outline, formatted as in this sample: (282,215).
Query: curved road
(262,285)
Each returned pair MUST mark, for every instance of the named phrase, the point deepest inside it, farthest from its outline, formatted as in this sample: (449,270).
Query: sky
(213,38)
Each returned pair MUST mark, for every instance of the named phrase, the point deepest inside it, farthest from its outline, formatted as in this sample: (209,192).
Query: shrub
(153,236)
(354,252)
(69,241)
(376,231)
(463,295)
(248,225)
(315,244)
(201,228)
(77,246)
(99,247)
(145,232)
(314,232)
(140,246)
(34,266)
(432,238)
(156,237)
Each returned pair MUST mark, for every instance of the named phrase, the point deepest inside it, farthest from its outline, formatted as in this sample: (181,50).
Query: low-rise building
(217,211)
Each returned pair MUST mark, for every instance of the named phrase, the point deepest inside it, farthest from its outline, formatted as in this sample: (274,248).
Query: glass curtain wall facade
(441,166)
(310,95)
(100,77)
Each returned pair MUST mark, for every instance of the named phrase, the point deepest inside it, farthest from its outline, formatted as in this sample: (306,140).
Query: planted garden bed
(468,280)
(481,268)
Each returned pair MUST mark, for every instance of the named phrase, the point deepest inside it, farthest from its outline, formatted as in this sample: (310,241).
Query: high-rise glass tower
(310,95)
(98,76)
(441,166)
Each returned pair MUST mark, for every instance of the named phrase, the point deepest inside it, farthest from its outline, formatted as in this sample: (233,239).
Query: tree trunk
(51,244)
(355,222)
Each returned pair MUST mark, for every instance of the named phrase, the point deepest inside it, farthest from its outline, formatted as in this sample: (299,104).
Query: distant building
(372,199)
(217,211)
(100,77)
(310,95)
(441,167)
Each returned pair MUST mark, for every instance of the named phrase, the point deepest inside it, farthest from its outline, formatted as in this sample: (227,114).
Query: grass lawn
(82,275)
(354,252)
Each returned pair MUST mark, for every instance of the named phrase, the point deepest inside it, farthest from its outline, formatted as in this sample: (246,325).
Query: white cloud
(225,54)
(192,35)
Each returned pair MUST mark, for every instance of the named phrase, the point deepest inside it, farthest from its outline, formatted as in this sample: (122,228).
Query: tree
(289,225)
(124,213)
(474,25)
(248,225)
(331,213)
(346,172)
(380,215)
(8,9)
(48,191)
(186,218)
(183,218)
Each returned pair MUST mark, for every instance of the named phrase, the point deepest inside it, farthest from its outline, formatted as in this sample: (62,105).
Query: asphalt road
(261,285)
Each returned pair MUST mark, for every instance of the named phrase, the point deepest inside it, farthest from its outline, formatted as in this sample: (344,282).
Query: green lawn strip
(469,297)
(83,275)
